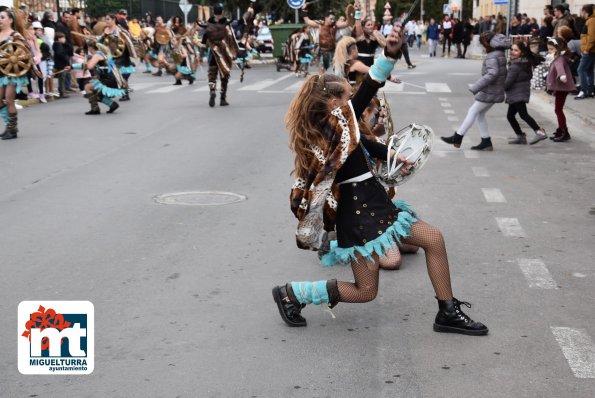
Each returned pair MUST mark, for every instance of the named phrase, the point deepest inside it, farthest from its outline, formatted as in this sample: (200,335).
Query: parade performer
(223,49)
(161,47)
(106,81)
(121,47)
(368,39)
(326,36)
(183,55)
(334,185)
(346,63)
(12,30)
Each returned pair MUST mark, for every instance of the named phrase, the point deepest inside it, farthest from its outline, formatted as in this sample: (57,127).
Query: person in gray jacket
(518,92)
(488,91)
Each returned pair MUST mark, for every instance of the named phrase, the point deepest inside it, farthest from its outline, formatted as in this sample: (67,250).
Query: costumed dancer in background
(223,49)
(159,51)
(330,161)
(12,30)
(326,37)
(368,39)
(346,63)
(183,54)
(118,40)
(106,80)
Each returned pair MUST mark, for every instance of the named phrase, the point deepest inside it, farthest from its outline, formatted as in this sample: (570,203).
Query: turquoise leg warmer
(310,292)
(382,68)
(107,101)
(148,67)
(4,114)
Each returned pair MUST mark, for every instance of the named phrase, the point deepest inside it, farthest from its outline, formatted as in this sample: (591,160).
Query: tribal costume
(123,62)
(106,82)
(184,57)
(223,49)
(18,82)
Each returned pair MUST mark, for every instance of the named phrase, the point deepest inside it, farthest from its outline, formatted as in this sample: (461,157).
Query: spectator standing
(514,26)
(500,25)
(587,63)
(563,18)
(387,25)
(46,62)
(404,49)
(419,30)
(63,27)
(62,51)
(545,31)
(433,36)
(560,82)
(467,35)
(447,32)
(410,29)
(457,36)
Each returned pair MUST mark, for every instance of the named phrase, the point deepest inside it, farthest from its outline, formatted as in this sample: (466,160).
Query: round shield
(116,45)
(15,59)
(415,143)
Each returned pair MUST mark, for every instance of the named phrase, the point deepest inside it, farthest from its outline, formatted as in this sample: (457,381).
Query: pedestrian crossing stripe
(288,86)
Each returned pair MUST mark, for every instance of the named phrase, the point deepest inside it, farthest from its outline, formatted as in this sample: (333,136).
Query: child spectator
(61,61)
(82,77)
(560,82)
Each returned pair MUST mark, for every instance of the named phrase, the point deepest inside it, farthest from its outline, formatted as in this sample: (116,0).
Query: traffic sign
(295,4)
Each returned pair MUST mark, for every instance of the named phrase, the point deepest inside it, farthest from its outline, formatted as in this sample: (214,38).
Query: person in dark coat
(457,36)
(518,92)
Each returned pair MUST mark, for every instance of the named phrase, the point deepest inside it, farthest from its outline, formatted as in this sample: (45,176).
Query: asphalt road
(182,293)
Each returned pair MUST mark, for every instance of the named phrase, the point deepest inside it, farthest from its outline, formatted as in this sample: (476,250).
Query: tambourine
(415,143)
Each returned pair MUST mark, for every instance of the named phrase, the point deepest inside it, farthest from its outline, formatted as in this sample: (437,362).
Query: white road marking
(480,172)
(445,104)
(510,227)
(264,83)
(493,195)
(206,87)
(537,273)
(579,350)
(449,111)
(294,87)
(442,99)
(393,87)
(453,118)
(470,154)
(578,275)
(437,88)
(462,74)
(166,89)
(413,85)
(144,86)
(442,154)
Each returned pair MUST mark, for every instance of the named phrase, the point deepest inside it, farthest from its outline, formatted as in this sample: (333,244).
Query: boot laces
(460,312)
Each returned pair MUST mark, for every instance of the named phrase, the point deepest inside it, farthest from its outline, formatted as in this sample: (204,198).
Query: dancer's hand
(406,168)
(394,41)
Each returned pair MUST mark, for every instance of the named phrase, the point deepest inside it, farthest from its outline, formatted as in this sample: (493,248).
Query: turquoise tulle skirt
(184,70)
(127,70)
(399,229)
(20,82)
(107,91)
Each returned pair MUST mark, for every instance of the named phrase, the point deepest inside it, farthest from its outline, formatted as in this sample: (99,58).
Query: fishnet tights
(365,274)
(430,239)
(391,259)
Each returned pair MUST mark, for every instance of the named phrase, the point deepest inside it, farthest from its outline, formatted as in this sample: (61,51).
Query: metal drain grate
(199,198)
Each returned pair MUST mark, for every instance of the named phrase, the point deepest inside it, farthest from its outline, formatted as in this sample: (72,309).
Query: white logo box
(81,361)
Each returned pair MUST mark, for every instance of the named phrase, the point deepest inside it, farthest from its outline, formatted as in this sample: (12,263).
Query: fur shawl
(318,188)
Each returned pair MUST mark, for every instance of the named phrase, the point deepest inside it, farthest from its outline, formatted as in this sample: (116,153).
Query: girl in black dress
(334,187)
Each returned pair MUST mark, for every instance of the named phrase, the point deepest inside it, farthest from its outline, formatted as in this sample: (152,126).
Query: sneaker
(581,96)
(518,140)
(410,66)
(42,99)
(539,136)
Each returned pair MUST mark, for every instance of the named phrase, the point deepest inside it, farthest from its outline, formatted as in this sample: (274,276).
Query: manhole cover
(204,198)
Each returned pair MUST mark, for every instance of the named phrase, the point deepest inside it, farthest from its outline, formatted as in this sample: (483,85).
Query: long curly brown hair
(307,116)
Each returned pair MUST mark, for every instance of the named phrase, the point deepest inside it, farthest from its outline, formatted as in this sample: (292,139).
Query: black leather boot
(178,82)
(223,102)
(212,96)
(452,319)
(289,307)
(11,127)
(557,134)
(454,139)
(113,107)
(565,136)
(484,145)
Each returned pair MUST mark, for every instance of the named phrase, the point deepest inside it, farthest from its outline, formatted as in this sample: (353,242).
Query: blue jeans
(585,72)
